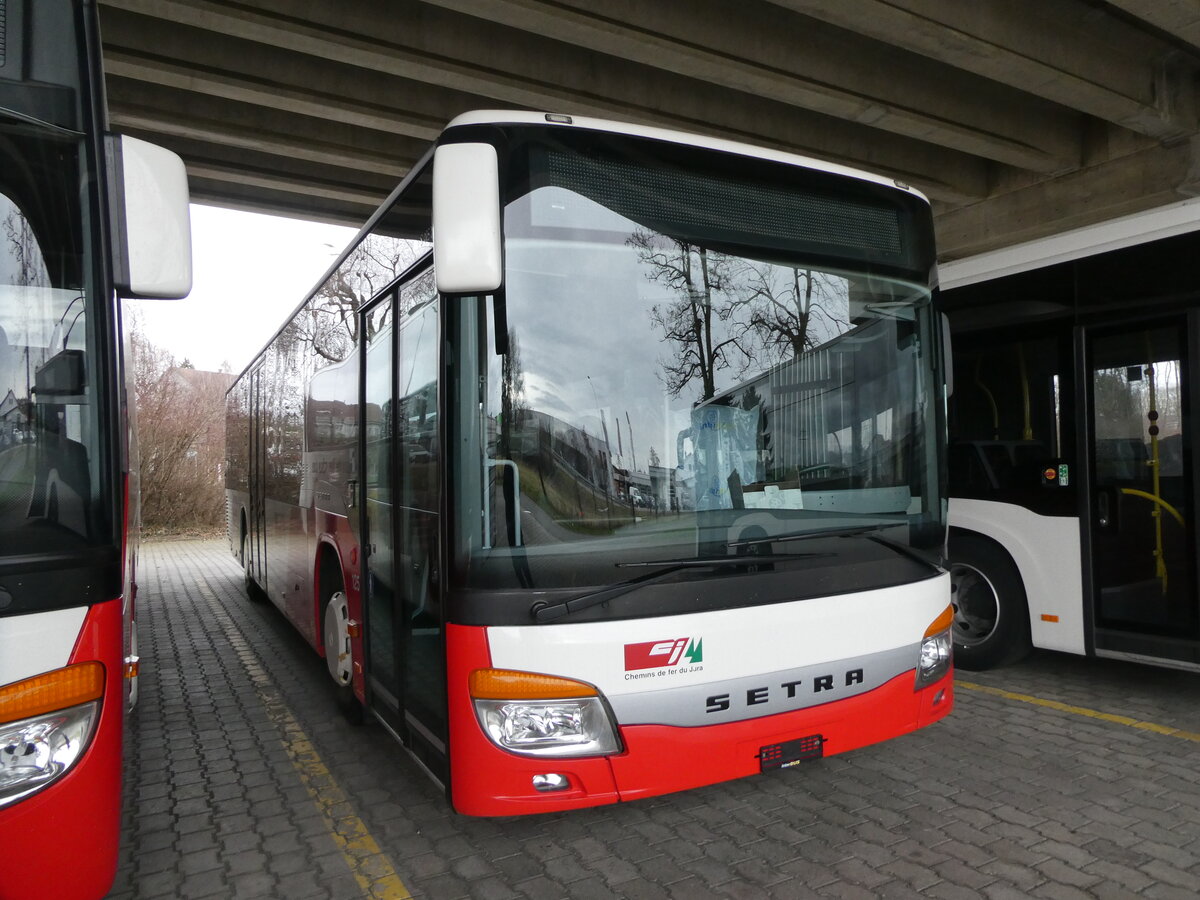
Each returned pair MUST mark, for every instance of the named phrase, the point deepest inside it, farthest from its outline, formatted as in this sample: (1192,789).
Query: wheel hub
(338,657)
(976,605)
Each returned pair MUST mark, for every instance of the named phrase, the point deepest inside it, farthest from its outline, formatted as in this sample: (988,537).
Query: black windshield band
(727,199)
(59,581)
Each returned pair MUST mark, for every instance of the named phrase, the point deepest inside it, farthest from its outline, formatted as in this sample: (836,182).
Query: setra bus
(1072,458)
(607,461)
(84,215)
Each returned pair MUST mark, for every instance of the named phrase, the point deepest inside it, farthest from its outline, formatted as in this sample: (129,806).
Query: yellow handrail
(1159,500)
(1160,561)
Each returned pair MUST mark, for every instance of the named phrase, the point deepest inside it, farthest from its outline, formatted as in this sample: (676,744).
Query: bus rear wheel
(339,657)
(991,617)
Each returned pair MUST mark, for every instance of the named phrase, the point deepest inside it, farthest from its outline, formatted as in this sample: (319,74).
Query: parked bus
(84,215)
(607,462)
(1073,453)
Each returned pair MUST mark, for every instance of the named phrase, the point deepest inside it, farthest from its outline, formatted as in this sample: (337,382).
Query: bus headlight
(35,752)
(936,651)
(542,715)
(46,723)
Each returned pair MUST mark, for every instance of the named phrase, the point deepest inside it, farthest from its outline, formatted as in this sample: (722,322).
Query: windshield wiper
(548,612)
(21,118)
(810,534)
(870,532)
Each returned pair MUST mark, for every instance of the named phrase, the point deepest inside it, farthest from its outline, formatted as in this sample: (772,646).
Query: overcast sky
(249,271)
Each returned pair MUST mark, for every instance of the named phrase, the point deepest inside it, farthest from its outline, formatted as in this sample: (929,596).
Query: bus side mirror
(467,255)
(947,355)
(151,225)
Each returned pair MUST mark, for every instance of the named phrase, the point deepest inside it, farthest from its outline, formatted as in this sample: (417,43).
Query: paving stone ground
(1007,797)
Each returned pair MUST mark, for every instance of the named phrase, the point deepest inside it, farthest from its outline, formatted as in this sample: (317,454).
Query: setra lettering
(718,703)
(760,695)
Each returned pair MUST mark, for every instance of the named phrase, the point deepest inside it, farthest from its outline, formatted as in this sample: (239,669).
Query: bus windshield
(694,362)
(50,470)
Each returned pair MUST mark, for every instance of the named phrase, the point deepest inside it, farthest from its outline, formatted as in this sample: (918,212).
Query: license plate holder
(790,753)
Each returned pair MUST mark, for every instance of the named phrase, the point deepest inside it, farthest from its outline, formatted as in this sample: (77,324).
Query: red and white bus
(83,216)
(607,462)
(1073,452)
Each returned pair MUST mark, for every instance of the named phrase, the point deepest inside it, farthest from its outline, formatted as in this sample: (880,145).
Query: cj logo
(663,654)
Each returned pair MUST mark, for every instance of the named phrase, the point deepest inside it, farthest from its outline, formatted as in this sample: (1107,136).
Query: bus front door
(401,464)
(1142,499)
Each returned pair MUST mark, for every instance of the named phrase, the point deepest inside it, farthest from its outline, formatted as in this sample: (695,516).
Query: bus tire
(339,658)
(253,592)
(991,615)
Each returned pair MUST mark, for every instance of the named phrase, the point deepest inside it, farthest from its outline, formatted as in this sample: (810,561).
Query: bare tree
(513,407)
(331,321)
(699,322)
(23,252)
(791,310)
(181,439)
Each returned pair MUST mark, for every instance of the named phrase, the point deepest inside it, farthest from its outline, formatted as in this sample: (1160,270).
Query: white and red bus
(1073,453)
(607,462)
(84,215)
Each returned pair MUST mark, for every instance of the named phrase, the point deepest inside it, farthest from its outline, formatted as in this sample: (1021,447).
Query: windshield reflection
(657,397)
(48,468)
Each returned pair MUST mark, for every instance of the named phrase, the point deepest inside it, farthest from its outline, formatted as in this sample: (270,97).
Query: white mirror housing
(151,227)
(467,250)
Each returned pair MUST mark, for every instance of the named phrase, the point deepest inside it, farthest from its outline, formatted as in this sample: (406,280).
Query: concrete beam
(214,188)
(1178,18)
(804,63)
(224,180)
(316,109)
(269,95)
(266,164)
(1155,176)
(1068,51)
(211,131)
(547,75)
(255,72)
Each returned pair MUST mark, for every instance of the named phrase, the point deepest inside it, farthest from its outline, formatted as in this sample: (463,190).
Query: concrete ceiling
(1019,118)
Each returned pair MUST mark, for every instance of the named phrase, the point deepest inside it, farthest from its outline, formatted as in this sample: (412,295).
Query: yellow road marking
(1080,711)
(370,866)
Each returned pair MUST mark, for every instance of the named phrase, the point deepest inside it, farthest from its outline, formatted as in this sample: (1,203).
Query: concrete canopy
(1019,118)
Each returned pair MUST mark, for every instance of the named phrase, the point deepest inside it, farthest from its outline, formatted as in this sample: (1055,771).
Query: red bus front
(648,707)
(61,740)
(692,468)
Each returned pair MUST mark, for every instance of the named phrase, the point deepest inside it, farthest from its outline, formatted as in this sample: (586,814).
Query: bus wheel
(339,658)
(253,592)
(991,618)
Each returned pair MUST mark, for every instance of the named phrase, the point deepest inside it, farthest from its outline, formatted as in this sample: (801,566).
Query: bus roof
(563,120)
(1127,231)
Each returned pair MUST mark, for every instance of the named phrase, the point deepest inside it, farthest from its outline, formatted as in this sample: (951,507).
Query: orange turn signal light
(941,623)
(52,691)
(509,684)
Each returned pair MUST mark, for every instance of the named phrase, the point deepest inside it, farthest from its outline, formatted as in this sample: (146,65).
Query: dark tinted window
(52,477)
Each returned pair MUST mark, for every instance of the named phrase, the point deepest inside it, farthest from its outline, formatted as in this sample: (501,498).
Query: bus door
(256,565)
(401,527)
(1143,487)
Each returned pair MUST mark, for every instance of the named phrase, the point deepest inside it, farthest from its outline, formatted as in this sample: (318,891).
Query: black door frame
(1115,641)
